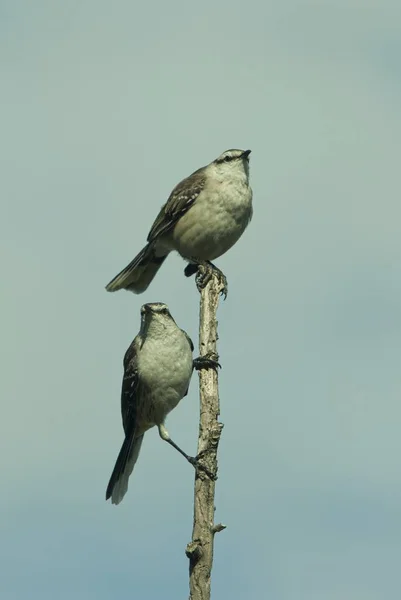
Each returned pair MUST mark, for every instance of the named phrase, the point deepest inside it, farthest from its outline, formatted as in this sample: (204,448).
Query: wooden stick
(200,549)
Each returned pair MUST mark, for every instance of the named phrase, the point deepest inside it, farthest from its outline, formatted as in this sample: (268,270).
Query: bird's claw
(203,276)
(194,461)
(209,361)
(202,453)
(223,283)
(204,273)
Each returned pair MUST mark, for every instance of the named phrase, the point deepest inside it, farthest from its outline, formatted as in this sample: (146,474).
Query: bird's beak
(246,154)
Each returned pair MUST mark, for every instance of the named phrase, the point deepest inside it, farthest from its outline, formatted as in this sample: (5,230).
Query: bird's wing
(130,449)
(129,390)
(191,345)
(190,342)
(181,199)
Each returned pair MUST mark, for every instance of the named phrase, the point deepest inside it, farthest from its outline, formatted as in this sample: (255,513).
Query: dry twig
(200,549)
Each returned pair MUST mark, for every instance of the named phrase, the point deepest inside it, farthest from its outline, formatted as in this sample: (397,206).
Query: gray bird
(204,217)
(158,367)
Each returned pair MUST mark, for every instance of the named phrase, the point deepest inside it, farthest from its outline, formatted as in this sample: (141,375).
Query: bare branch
(200,549)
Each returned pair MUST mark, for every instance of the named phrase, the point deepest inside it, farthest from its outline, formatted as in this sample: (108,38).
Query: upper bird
(204,216)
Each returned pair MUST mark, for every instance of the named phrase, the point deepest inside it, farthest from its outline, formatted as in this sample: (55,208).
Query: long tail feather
(137,276)
(118,484)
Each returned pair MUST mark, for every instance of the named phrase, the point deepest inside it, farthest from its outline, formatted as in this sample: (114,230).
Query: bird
(158,366)
(204,216)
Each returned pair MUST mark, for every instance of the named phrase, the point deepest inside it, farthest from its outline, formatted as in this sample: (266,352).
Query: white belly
(214,223)
(165,370)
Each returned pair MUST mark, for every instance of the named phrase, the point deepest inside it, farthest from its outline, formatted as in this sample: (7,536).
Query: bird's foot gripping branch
(205,270)
(208,361)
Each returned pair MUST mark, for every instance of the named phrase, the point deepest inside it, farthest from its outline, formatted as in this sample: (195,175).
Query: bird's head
(232,164)
(154,314)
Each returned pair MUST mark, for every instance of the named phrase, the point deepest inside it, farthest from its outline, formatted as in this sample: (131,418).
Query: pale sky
(105,107)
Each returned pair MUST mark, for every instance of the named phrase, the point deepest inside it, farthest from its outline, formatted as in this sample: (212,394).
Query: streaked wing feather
(191,345)
(190,342)
(128,410)
(129,390)
(181,199)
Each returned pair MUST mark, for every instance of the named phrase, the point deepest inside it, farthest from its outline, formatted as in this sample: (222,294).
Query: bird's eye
(227,158)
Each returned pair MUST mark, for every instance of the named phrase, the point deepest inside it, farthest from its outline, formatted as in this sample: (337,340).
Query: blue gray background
(104,108)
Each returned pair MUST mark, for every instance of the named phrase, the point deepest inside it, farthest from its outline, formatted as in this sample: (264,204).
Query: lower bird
(158,367)
(204,216)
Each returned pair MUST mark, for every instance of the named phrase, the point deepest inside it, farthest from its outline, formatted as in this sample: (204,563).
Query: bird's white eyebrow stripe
(227,156)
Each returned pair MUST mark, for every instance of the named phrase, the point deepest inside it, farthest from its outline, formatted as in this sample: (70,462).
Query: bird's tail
(139,273)
(118,484)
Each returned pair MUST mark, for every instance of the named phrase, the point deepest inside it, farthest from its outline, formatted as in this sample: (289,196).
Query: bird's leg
(208,361)
(205,270)
(193,460)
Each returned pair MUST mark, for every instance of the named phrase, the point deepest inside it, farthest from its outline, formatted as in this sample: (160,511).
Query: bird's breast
(215,221)
(165,369)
